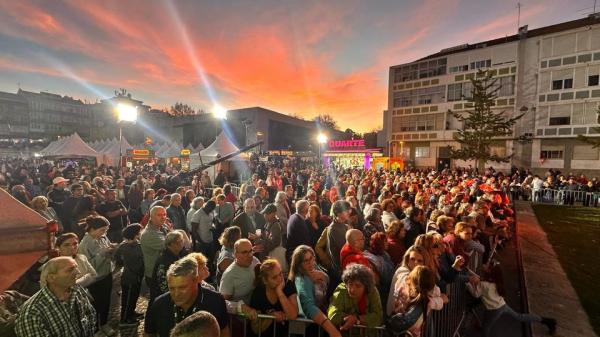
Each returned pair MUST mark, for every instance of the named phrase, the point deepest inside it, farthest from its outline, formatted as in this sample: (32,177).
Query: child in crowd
(491,291)
(129,255)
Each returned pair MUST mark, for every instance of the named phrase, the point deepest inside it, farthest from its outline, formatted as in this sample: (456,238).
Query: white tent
(161,150)
(173,151)
(112,152)
(54,145)
(73,147)
(196,149)
(220,147)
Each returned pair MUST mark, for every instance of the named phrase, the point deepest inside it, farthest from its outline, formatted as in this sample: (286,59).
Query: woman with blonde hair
(40,205)
(203,270)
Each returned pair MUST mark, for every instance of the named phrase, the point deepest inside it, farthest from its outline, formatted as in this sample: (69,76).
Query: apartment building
(550,75)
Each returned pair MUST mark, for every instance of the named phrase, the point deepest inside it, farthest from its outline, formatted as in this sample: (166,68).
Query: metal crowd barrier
(451,320)
(298,327)
(448,322)
(565,197)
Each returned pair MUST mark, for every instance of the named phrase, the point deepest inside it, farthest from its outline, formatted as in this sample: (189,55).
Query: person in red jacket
(352,251)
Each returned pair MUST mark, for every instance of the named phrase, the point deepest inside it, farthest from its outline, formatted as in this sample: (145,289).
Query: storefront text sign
(353,144)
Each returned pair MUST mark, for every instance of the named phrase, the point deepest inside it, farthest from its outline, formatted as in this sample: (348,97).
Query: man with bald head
(60,307)
(352,251)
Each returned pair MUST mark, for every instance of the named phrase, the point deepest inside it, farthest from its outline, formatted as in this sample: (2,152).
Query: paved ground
(549,291)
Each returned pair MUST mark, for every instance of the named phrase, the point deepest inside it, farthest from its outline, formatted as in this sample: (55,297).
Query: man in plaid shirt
(60,308)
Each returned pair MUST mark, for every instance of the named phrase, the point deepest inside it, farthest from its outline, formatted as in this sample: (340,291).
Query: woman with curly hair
(356,301)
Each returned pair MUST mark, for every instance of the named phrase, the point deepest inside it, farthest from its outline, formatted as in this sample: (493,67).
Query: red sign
(346,144)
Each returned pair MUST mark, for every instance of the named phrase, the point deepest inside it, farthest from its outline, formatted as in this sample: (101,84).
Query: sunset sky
(296,57)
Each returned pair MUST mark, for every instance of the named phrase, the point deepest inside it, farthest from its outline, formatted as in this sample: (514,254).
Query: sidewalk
(549,291)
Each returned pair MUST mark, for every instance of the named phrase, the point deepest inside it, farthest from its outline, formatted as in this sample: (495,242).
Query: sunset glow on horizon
(300,58)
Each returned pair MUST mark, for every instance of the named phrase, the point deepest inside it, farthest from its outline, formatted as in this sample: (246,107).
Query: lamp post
(125,113)
(321,139)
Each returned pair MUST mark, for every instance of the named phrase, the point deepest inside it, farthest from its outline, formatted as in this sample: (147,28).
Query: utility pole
(519,15)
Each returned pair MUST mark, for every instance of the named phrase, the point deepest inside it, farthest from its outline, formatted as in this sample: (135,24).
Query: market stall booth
(350,154)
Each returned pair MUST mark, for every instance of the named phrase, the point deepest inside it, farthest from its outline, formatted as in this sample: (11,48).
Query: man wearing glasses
(237,282)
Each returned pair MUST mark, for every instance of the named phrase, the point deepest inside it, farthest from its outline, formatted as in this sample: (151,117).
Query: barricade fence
(554,196)
(565,197)
(448,322)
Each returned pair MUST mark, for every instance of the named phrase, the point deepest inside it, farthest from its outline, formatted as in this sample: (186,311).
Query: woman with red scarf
(356,302)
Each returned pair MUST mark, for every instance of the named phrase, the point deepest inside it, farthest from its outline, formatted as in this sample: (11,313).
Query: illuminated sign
(346,144)
(140,153)
(185,152)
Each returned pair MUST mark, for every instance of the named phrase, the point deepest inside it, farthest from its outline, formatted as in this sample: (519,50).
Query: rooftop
(592,19)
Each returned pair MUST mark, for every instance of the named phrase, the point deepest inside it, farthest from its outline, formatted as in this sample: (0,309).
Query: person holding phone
(99,251)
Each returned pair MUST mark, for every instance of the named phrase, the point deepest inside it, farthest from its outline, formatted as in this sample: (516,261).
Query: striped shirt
(44,315)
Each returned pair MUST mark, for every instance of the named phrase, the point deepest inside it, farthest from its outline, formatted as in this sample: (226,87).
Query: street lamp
(125,113)
(321,139)
(219,111)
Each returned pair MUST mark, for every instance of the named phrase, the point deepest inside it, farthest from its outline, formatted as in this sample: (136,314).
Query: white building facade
(550,74)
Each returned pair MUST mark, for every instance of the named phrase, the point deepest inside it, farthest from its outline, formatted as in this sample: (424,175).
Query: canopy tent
(196,149)
(23,241)
(173,151)
(112,152)
(54,145)
(73,147)
(220,147)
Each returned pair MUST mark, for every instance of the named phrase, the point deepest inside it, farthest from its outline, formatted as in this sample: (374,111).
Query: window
(551,154)
(431,95)
(458,69)
(454,92)
(568,83)
(422,152)
(593,80)
(481,64)
(420,70)
(559,121)
(507,86)
(557,85)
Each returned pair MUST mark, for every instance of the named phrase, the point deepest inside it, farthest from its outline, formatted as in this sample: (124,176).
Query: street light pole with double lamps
(129,114)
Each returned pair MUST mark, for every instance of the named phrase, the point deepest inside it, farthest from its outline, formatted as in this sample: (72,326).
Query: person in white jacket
(388,213)
(491,290)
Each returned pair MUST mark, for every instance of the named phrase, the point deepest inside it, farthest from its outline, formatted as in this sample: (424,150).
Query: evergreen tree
(595,141)
(481,126)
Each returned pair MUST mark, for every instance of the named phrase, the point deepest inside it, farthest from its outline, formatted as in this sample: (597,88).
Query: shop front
(350,154)
(137,157)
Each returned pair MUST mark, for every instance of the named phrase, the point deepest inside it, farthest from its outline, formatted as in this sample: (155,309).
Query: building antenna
(519,15)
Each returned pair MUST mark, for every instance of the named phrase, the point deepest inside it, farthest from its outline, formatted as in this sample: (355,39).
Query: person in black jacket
(414,225)
(297,229)
(129,255)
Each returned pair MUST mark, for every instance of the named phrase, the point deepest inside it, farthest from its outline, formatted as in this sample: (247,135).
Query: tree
(351,134)
(481,126)
(181,109)
(326,121)
(595,141)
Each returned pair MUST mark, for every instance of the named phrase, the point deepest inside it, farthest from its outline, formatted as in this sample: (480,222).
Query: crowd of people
(344,248)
